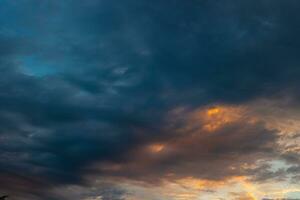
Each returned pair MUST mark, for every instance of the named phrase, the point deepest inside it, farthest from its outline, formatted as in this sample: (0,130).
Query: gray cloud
(90,82)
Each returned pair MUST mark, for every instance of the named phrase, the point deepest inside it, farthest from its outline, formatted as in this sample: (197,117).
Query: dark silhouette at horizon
(3,197)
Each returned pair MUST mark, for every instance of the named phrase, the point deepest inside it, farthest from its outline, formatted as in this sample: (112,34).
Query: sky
(150,99)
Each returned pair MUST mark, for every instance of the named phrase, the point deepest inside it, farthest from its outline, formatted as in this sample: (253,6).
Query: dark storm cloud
(89,81)
(102,190)
(52,135)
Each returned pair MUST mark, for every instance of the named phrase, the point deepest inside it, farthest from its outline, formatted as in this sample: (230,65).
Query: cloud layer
(123,91)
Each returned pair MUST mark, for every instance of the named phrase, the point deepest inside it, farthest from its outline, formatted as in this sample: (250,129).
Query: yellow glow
(213,111)
(207,119)
(200,184)
(215,118)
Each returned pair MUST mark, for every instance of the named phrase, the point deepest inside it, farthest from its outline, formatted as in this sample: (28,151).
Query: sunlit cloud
(156,148)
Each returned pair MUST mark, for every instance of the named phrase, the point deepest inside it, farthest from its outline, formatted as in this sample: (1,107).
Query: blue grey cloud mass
(87,82)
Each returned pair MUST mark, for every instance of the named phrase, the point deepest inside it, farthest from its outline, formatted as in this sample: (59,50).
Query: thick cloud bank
(144,91)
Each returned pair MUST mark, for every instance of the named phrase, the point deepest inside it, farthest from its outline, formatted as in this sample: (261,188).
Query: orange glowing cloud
(211,119)
(201,184)
(213,111)
(156,148)
(217,117)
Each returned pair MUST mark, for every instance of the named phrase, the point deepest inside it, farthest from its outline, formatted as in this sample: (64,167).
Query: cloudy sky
(149,99)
